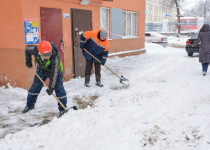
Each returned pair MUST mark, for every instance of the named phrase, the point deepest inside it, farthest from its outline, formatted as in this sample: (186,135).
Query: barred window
(105,18)
(130,23)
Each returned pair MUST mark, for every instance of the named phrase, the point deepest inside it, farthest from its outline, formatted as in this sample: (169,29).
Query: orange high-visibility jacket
(90,40)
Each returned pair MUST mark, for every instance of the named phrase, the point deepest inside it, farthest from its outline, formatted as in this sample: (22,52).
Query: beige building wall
(156,12)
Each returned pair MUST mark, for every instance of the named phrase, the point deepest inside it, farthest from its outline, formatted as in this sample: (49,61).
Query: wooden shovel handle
(48,88)
(100,62)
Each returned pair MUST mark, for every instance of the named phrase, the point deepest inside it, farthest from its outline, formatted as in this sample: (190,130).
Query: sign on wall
(66,15)
(31,30)
(167,15)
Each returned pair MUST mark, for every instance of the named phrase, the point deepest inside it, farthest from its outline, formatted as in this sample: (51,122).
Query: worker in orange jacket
(97,44)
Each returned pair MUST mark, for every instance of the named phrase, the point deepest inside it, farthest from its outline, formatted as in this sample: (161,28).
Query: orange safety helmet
(45,48)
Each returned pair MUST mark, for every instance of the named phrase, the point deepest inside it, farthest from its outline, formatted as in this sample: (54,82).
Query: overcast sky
(190,3)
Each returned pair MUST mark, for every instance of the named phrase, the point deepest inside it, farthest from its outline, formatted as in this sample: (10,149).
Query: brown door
(51,27)
(81,21)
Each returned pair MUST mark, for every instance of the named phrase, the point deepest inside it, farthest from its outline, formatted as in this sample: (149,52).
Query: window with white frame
(130,23)
(105,18)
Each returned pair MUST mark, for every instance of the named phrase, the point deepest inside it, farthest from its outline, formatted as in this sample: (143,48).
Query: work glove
(102,63)
(29,64)
(49,91)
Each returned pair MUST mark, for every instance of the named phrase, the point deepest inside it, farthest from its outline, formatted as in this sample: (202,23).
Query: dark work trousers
(205,66)
(37,86)
(89,66)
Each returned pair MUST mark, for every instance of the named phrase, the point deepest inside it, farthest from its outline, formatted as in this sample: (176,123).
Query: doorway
(51,27)
(81,22)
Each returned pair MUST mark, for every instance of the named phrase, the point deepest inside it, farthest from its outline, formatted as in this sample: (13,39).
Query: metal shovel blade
(74,108)
(124,80)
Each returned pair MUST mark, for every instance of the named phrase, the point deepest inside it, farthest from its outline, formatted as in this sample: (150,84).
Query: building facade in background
(28,22)
(156,12)
(189,23)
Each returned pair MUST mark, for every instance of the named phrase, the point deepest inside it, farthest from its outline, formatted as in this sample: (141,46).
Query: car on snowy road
(191,50)
(154,37)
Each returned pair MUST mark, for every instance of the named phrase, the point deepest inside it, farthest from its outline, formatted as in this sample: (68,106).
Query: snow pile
(165,107)
(177,42)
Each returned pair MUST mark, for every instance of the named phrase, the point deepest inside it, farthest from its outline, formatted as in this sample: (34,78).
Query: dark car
(191,50)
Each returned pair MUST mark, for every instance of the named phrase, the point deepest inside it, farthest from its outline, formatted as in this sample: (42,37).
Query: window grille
(105,18)
(130,23)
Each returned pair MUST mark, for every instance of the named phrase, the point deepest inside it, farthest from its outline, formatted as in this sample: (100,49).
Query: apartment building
(157,12)
(25,22)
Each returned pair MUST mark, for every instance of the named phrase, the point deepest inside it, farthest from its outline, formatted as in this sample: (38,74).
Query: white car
(154,37)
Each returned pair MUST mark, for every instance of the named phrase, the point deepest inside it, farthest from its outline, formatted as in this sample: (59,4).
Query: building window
(130,23)
(105,18)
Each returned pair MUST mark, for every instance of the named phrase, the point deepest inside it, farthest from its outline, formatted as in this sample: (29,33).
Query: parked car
(154,37)
(191,50)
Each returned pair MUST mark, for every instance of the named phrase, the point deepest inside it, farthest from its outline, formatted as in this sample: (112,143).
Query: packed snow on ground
(180,42)
(166,106)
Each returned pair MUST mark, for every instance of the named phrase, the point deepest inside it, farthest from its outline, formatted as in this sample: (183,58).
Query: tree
(201,9)
(177,4)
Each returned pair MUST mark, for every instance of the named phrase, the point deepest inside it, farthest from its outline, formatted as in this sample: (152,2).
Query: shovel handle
(92,55)
(112,71)
(48,88)
(100,62)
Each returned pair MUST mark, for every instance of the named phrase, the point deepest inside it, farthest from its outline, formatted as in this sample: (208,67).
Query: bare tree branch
(201,9)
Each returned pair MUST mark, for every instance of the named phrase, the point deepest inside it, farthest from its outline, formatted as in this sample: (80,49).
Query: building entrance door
(51,27)
(81,21)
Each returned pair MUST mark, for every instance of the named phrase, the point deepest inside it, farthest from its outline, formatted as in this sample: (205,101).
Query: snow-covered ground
(180,42)
(165,107)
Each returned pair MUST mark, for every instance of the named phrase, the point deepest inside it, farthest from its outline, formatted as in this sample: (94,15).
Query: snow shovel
(65,109)
(122,79)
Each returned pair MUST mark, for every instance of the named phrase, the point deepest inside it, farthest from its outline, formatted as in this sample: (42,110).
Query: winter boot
(26,109)
(87,80)
(98,81)
(204,73)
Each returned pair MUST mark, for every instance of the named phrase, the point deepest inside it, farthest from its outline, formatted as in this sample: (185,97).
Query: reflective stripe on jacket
(50,66)
(91,42)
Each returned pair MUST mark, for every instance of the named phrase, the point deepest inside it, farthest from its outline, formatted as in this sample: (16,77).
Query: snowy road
(166,106)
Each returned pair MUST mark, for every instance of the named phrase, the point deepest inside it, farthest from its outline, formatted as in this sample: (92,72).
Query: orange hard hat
(45,48)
